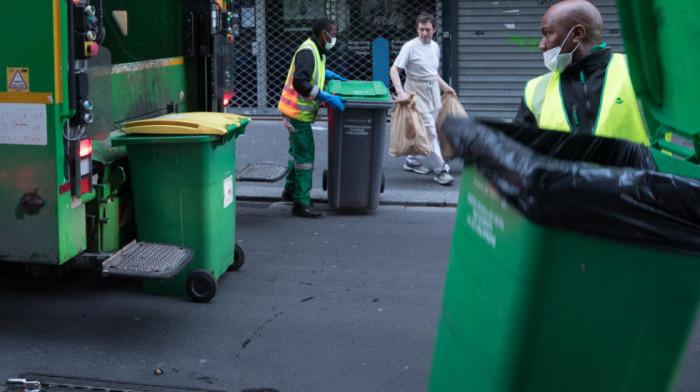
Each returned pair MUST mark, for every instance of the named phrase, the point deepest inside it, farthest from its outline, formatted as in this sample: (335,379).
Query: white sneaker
(416,167)
(444,178)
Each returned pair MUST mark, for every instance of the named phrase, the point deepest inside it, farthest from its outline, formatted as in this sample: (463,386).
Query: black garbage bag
(600,186)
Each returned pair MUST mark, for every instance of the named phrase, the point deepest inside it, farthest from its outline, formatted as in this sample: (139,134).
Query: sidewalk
(267,141)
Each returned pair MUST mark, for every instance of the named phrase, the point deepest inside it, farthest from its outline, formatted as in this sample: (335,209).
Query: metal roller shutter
(496,51)
(268,32)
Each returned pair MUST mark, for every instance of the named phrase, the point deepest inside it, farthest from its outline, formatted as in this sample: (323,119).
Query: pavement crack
(258,331)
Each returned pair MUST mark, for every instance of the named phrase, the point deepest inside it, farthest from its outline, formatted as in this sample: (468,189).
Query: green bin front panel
(532,308)
(184,194)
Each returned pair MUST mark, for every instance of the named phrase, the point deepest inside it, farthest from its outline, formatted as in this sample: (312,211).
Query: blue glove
(335,101)
(332,75)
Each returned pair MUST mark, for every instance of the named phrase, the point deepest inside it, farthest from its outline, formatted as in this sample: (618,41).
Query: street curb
(411,198)
(267,199)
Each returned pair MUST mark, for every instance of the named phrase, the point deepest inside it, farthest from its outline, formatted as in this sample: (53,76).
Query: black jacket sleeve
(303,69)
(524,115)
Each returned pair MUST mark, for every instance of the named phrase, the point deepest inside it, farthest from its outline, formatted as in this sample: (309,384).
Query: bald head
(579,17)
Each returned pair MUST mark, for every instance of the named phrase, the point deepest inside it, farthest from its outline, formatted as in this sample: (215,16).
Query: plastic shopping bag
(408,134)
(451,106)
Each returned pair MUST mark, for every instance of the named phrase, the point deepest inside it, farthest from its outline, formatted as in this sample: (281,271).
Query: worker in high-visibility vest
(588,90)
(301,98)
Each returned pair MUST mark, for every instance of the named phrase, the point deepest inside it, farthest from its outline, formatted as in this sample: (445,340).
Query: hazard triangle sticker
(17,79)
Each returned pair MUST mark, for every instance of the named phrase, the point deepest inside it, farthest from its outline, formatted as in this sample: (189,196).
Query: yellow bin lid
(193,123)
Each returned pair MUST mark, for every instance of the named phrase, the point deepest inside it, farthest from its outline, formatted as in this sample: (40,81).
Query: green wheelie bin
(575,260)
(183,174)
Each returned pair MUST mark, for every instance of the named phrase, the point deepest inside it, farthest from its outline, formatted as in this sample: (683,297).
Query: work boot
(287,195)
(308,211)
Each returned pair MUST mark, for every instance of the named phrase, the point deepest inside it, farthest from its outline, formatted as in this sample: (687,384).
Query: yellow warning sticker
(18,79)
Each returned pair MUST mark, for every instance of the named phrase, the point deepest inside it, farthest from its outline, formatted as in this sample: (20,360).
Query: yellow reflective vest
(618,116)
(294,105)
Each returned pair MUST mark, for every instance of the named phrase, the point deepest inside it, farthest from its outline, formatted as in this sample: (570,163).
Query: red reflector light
(85,148)
(85,184)
(227,98)
(63,188)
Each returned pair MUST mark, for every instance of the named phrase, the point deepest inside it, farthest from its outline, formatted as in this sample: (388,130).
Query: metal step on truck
(95,93)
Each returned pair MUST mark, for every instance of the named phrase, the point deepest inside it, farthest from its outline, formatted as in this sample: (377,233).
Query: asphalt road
(349,302)
(344,303)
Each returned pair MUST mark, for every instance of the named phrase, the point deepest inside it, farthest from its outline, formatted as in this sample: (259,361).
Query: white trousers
(439,165)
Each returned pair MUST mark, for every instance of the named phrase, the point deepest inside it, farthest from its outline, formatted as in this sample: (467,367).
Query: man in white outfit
(420,58)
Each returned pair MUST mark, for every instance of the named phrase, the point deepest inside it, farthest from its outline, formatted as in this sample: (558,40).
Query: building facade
(489,48)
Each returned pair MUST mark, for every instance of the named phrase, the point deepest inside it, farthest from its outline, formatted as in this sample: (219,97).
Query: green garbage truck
(75,80)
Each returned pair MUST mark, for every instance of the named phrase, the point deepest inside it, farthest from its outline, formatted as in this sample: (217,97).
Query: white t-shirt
(419,60)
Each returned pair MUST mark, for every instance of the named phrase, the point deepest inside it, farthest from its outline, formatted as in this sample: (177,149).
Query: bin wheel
(201,285)
(381,188)
(238,259)
(325,180)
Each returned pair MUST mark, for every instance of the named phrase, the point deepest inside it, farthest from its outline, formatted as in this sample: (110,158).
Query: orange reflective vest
(294,105)
(618,117)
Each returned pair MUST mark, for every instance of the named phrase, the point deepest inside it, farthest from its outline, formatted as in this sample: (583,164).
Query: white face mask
(556,62)
(329,45)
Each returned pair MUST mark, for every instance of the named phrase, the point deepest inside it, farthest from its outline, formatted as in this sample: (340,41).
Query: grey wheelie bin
(354,178)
